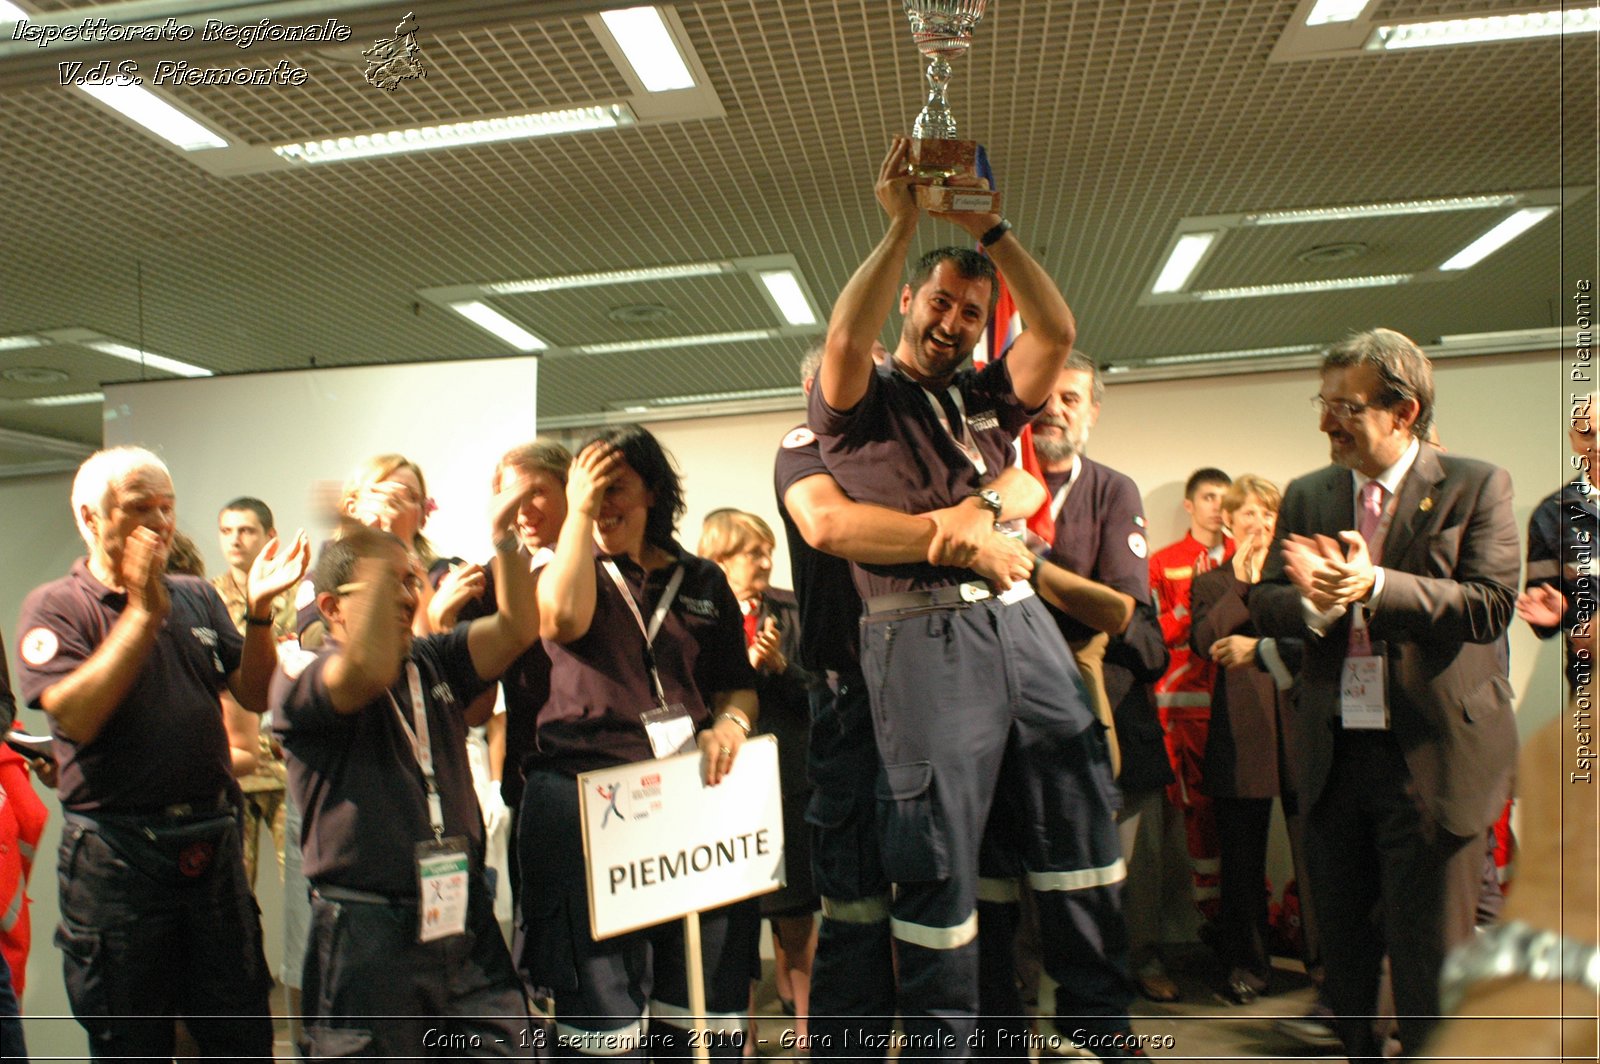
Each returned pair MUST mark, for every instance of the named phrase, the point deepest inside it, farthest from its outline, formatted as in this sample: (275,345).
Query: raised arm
(495,641)
(276,569)
(375,610)
(566,588)
(1041,349)
(864,304)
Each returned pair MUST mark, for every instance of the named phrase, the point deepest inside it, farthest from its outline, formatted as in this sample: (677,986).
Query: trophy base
(937,157)
(957,199)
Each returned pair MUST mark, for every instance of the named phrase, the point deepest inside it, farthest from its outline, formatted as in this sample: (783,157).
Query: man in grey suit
(1398,565)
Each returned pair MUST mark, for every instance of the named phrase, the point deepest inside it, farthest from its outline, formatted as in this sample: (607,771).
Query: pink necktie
(1368,517)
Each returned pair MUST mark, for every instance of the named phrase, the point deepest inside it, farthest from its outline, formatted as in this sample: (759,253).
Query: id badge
(1362,702)
(443,872)
(670,729)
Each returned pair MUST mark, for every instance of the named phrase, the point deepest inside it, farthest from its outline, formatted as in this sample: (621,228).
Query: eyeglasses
(1341,409)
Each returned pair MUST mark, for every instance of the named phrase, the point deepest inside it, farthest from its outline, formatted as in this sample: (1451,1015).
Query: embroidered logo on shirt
(984,422)
(206,636)
(39,646)
(442,694)
(1137,544)
(799,437)
(699,607)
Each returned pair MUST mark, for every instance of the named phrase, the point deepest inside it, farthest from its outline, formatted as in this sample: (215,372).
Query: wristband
(744,725)
(1514,950)
(993,235)
(258,622)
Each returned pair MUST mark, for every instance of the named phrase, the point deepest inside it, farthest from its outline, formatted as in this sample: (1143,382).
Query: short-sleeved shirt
(829,637)
(356,775)
(600,682)
(895,448)
(1099,535)
(164,744)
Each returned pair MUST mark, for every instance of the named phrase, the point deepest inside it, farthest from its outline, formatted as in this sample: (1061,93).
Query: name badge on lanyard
(667,725)
(1363,701)
(444,867)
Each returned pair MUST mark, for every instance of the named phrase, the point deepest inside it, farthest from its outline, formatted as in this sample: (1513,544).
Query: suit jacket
(1450,563)
(1243,743)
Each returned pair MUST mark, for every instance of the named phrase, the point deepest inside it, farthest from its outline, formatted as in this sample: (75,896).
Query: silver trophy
(942,30)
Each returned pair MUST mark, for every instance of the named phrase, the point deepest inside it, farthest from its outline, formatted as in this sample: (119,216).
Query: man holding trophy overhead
(968,677)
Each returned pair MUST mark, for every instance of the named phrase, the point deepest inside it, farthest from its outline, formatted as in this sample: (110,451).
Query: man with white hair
(127,662)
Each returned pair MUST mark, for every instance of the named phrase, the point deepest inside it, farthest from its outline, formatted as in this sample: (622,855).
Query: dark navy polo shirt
(356,775)
(1100,535)
(164,744)
(600,683)
(894,450)
(1563,541)
(829,606)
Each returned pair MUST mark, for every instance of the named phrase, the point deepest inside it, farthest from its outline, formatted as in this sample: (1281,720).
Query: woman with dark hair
(647,659)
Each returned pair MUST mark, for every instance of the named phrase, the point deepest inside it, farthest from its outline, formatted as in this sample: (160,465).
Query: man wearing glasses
(1398,565)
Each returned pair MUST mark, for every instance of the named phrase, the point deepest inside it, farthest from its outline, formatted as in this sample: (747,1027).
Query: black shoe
(1239,992)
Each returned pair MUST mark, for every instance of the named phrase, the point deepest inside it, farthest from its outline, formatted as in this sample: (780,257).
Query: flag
(1003,329)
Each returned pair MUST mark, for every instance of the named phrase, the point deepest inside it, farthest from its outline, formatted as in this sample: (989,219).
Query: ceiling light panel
(647,44)
(1302,287)
(76,399)
(1182,262)
(1327,11)
(1229,356)
(147,358)
(668,342)
(498,325)
(1498,237)
(609,277)
(1309,215)
(146,109)
(457,134)
(791,300)
(1444,33)
(18,343)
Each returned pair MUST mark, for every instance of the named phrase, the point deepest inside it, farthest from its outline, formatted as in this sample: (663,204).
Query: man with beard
(963,675)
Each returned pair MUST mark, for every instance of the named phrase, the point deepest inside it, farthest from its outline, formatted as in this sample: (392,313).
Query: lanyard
(1066,489)
(964,441)
(656,618)
(416,730)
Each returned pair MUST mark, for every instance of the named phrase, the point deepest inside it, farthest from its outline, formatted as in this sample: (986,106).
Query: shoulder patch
(799,437)
(1137,544)
(39,646)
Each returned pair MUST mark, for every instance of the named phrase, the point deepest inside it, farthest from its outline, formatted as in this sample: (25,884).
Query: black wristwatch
(989,499)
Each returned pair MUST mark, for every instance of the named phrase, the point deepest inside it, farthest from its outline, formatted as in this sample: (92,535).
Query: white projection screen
(275,435)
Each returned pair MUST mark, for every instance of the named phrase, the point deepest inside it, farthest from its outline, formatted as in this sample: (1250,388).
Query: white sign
(659,844)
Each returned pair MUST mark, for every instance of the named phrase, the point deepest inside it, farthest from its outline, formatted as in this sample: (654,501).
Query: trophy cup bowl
(942,30)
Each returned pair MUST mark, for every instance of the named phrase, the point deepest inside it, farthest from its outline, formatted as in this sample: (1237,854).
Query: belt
(362,897)
(951,595)
(177,811)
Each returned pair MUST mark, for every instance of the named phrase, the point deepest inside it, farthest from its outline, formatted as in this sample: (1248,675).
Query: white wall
(278,436)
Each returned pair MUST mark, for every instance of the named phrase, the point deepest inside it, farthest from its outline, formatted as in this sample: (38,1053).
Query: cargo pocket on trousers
(911,825)
(88,977)
(841,845)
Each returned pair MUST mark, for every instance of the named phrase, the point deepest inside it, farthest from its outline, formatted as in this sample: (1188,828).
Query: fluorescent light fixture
(667,342)
(1514,27)
(1379,210)
(458,134)
(793,390)
(1327,11)
(145,358)
(609,277)
(492,321)
(155,114)
(1299,287)
(642,35)
(1228,356)
(1497,238)
(1181,264)
(11,12)
(76,399)
(784,288)
(18,343)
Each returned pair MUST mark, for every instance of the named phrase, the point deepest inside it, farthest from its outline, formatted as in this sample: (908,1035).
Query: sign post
(658,844)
